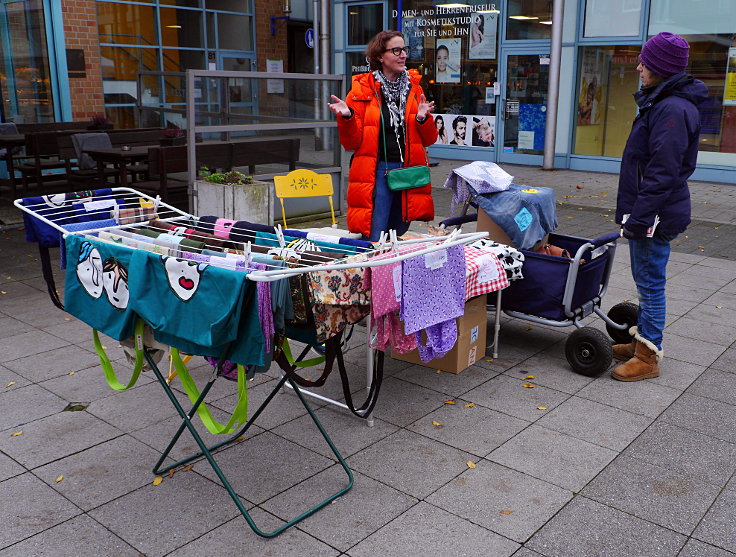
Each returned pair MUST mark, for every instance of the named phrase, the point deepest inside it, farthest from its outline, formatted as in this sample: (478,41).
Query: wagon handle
(605,239)
(455,221)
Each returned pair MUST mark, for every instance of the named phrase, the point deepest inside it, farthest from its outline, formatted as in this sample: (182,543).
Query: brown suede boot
(644,364)
(625,351)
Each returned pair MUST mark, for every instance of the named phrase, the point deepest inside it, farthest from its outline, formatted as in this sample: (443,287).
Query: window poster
(414,38)
(591,88)
(447,61)
(465,129)
(483,31)
(729,91)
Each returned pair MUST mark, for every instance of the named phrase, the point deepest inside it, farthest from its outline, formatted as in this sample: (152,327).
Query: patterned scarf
(395,94)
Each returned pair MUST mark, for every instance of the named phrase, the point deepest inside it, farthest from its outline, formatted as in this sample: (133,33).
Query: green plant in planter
(231,178)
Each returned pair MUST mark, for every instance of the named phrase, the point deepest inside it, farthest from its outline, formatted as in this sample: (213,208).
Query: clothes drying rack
(87,214)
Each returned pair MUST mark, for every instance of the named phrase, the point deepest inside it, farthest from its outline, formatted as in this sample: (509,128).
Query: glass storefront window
(364,21)
(126,23)
(612,18)
(181,28)
(607,79)
(229,5)
(25,86)
(234,32)
(529,19)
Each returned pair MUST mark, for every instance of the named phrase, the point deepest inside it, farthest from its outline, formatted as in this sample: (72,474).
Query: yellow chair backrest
(304,183)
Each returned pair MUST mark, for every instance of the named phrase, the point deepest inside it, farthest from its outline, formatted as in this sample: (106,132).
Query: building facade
(485,64)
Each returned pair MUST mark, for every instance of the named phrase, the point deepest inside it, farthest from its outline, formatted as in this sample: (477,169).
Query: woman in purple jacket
(659,157)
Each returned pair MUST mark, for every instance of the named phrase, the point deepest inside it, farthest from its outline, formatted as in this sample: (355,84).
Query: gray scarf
(395,94)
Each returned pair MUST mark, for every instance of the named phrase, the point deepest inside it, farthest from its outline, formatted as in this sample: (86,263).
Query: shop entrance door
(523,108)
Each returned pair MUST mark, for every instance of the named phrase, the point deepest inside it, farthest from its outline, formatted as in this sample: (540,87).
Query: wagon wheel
(625,313)
(588,351)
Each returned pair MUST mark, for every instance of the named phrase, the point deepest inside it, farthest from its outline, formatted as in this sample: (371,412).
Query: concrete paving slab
(695,548)
(676,448)
(416,533)
(81,536)
(26,404)
(689,410)
(717,385)
(158,519)
(235,539)
(53,363)
(678,375)
(508,395)
(568,462)
(447,383)
(524,552)
(29,507)
(476,430)
(257,479)
(433,463)
(554,373)
(687,349)
(101,473)
(717,526)
(10,327)
(402,403)
(74,331)
(585,527)
(27,344)
(726,361)
(55,437)
(503,500)
(643,397)
(9,467)
(89,384)
(349,433)
(689,327)
(10,381)
(668,498)
(722,299)
(595,423)
(367,507)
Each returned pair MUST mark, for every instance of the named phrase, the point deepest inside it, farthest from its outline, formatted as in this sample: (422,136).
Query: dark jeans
(386,205)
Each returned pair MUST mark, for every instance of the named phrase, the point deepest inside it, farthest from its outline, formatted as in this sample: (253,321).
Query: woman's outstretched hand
(424,108)
(338,106)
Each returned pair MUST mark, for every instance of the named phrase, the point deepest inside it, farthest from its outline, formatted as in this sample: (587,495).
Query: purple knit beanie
(665,54)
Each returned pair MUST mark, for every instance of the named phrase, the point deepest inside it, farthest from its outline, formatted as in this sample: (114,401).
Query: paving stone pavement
(578,465)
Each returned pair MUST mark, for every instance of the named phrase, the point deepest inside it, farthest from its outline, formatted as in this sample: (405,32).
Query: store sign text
(427,21)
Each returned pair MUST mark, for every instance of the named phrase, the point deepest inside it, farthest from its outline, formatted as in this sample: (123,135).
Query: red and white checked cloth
(483,273)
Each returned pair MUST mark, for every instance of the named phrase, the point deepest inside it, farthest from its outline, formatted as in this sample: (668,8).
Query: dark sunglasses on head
(397,50)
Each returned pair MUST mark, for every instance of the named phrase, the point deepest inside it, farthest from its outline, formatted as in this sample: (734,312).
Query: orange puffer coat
(361,133)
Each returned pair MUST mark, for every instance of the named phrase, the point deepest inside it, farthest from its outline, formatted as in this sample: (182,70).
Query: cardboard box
(471,341)
(496,233)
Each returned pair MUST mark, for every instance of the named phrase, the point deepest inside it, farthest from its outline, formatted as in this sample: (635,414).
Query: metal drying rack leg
(207,451)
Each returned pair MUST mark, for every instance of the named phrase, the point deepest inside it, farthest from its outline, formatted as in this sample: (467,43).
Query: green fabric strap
(240,414)
(303,363)
(107,369)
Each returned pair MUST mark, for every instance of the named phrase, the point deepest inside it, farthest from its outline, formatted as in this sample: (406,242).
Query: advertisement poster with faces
(466,130)
(447,61)
(414,38)
(483,32)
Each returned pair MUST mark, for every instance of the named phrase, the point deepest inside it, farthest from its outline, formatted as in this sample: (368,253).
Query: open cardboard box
(470,345)
(497,234)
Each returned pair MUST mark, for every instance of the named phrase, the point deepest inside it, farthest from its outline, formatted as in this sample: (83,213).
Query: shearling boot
(625,351)
(644,364)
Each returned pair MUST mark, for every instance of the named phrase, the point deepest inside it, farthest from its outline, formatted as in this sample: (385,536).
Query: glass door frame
(503,156)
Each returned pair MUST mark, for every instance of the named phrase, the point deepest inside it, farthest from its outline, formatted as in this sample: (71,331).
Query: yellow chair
(304,183)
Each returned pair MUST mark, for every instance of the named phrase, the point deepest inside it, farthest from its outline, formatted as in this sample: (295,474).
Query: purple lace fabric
(440,340)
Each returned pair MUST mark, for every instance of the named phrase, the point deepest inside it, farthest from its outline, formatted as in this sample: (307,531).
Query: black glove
(628,234)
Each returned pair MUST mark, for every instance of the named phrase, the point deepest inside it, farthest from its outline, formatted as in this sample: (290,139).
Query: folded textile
(484,177)
(130,215)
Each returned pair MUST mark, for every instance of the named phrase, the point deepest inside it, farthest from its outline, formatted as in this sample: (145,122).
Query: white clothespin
(394,239)
(381,242)
(280,236)
(156,203)
(247,252)
(452,236)
(116,213)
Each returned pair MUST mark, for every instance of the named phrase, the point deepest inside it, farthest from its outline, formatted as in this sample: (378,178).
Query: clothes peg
(116,213)
(247,252)
(394,239)
(280,236)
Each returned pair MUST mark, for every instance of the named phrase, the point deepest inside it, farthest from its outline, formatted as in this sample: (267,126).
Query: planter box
(251,202)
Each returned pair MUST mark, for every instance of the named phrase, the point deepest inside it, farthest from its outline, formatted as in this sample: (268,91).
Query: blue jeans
(649,268)
(386,205)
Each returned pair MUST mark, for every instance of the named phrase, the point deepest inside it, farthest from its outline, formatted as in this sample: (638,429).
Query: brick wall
(273,47)
(80,30)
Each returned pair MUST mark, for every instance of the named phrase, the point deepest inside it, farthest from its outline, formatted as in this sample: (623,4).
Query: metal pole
(325,51)
(553,94)
(317,51)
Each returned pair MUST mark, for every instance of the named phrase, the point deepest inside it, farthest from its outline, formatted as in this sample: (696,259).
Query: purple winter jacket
(659,157)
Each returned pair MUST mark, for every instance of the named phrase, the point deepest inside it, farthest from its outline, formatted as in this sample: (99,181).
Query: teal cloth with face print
(96,288)
(197,308)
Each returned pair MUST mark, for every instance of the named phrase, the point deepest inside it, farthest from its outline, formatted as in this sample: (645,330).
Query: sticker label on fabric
(474,334)
(436,259)
(523,219)
(487,268)
(397,282)
(316,237)
(97,205)
(472,355)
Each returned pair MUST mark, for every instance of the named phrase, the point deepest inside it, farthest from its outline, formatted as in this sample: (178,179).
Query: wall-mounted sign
(309,37)
(729,91)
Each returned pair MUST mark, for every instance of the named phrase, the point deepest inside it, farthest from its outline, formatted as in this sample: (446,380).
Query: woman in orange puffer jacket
(408,127)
